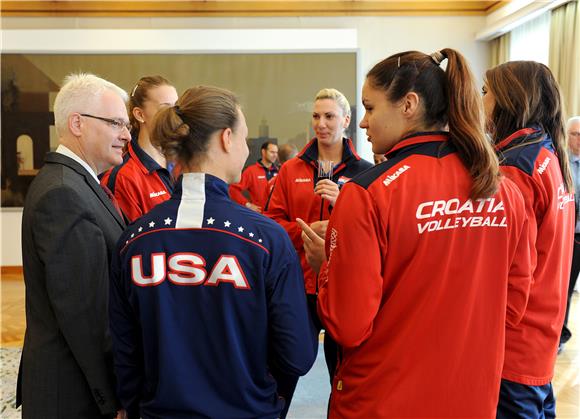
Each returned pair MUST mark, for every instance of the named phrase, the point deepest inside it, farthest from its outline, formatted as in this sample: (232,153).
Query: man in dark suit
(69,229)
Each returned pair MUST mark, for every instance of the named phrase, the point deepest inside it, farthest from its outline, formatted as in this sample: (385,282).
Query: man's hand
(328,190)
(121,414)
(313,246)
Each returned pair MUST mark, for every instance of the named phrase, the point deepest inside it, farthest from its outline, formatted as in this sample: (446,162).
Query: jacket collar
(310,151)
(273,167)
(145,162)
(418,138)
(57,158)
(64,150)
(212,184)
(519,137)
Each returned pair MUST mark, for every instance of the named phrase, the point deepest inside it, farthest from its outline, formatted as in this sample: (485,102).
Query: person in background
(428,252)
(143,180)
(286,152)
(526,125)
(298,191)
(69,230)
(207,296)
(573,128)
(255,179)
(11,195)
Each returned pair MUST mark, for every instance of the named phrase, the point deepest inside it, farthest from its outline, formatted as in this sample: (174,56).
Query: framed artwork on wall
(276,85)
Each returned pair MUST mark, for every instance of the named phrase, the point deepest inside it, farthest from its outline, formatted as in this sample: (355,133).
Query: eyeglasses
(118,124)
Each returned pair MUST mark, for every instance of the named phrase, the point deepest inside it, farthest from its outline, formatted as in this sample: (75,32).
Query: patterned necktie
(113,200)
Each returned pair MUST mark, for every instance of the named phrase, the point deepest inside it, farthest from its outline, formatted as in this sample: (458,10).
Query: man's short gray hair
(77,94)
(572,120)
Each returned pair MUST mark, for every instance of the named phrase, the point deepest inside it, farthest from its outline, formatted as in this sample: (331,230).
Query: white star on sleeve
(251,234)
(241,229)
(260,240)
(140,229)
(210,220)
(132,235)
(168,221)
(152,224)
(227,224)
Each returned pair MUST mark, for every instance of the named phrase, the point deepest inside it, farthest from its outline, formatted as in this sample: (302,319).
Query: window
(531,40)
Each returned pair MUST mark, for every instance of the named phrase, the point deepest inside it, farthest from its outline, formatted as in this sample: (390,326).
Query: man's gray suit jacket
(69,230)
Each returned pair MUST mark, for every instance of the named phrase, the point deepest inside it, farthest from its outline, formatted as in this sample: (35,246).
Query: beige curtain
(565,54)
(500,50)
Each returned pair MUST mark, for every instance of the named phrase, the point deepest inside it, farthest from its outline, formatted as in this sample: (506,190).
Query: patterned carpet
(309,401)
(9,360)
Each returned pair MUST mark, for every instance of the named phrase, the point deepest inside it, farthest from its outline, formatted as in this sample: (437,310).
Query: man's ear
(226,139)
(410,104)
(74,124)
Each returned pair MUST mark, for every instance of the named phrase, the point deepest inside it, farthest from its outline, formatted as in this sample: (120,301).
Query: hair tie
(178,112)
(438,57)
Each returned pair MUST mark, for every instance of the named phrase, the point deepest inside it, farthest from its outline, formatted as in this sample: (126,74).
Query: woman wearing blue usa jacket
(207,297)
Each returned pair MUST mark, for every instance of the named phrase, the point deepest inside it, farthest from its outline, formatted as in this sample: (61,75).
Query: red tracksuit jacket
(528,158)
(293,195)
(139,183)
(254,180)
(419,284)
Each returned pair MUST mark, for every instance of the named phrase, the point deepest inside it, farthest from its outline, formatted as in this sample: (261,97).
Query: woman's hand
(328,190)
(319,227)
(313,246)
(253,207)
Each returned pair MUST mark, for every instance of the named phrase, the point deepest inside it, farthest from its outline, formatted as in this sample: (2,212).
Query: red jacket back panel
(419,284)
(528,158)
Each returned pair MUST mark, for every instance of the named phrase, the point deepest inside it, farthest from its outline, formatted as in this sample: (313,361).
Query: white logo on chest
(156,194)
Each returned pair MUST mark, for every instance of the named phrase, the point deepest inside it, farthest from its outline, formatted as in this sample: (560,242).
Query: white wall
(378,37)
(10,248)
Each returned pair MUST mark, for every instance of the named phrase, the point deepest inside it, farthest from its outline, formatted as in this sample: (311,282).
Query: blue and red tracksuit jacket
(139,183)
(293,195)
(205,297)
(419,284)
(254,180)
(527,157)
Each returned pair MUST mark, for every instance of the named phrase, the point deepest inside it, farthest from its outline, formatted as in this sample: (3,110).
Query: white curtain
(531,40)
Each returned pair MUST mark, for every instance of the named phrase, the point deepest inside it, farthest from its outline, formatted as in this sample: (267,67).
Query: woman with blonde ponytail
(428,252)
(527,127)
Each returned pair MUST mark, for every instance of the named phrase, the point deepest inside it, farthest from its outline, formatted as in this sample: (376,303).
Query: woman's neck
(330,152)
(425,128)
(150,149)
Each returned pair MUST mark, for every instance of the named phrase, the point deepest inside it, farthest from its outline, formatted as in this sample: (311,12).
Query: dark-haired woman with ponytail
(525,121)
(207,296)
(143,180)
(428,252)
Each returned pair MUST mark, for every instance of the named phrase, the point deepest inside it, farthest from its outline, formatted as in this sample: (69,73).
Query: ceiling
(148,8)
